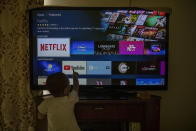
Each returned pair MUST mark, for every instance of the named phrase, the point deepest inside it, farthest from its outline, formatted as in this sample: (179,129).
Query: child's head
(58,84)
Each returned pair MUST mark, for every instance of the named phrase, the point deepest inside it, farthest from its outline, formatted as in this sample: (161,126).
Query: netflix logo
(53,47)
(58,47)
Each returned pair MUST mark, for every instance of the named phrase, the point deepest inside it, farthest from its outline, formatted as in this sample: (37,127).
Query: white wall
(178,106)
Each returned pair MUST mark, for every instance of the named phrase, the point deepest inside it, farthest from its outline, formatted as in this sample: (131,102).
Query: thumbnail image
(53,47)
(106,16)
(161,22)
(82,81)
(82,48)
(141,19)
(114,17)
(149,32)
(155,21)
(116,29)
(124,19)
(123,67)
(97,81)
(114,37)
(48,67)
(123,82)
(130,30)
(129,38)
(147,81)
(78,66)
(148,67)
(106,47)
(154,48)
(161,34)
(138,31)
(131,47)
(99,67)
(133,18)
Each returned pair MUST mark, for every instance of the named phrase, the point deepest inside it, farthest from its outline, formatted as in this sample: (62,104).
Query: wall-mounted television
(111,48)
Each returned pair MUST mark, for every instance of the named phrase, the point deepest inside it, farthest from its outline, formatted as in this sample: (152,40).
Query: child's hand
(75,80)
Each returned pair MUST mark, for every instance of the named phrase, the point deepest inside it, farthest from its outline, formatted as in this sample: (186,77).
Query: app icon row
(47,67)
(101,81)
(63,47)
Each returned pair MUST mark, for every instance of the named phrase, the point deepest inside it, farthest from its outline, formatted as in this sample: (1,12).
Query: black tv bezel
(97,87)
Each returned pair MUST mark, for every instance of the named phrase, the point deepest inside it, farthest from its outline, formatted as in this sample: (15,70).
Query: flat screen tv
(110,47)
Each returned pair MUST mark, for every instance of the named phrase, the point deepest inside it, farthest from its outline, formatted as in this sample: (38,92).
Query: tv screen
(110,48)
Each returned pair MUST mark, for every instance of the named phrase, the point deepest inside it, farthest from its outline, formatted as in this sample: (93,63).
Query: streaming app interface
(107,47)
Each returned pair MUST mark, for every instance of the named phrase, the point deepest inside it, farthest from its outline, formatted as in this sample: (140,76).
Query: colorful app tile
(148,67)
(82,48)
(131,47)
(123,82)
(53,47)
(123,67)
(48,67)
(152,81)
(99,67)
(78,66)
(82,81)
(154,48)
(106,48)
(99,82)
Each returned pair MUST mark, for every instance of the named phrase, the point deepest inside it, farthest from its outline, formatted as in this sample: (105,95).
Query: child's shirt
(60,112)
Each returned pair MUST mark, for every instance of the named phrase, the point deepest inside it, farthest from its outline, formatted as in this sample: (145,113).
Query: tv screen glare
(110,48)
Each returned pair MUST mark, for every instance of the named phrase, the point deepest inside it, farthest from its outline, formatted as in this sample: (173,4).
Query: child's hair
(56,83)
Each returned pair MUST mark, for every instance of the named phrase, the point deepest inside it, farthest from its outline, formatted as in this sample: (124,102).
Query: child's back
(60,109)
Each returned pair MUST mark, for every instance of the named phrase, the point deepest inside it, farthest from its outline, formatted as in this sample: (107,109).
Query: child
(60,108)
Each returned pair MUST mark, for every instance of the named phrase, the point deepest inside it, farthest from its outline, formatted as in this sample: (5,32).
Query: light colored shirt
(60,112)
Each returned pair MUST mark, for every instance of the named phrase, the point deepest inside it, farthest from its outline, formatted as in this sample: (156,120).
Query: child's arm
(75,81)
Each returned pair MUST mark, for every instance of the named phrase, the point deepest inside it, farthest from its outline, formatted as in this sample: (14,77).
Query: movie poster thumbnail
(155,21)
(130,30)
(123,67)
(129,38)
(106,47)
(141,19)
(123,19)
(145,32)
(114,17)
(116,29)
(114,37)
(124,82)
(133,18)
(106,16)
(148,67)
(161,34)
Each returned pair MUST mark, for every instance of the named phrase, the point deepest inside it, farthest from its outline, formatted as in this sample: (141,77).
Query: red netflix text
(52,47)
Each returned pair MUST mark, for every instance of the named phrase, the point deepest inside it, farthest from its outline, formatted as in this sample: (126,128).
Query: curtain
(17,107)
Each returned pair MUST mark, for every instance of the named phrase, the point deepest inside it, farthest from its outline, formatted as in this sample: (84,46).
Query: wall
(178,111)
(178,108)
